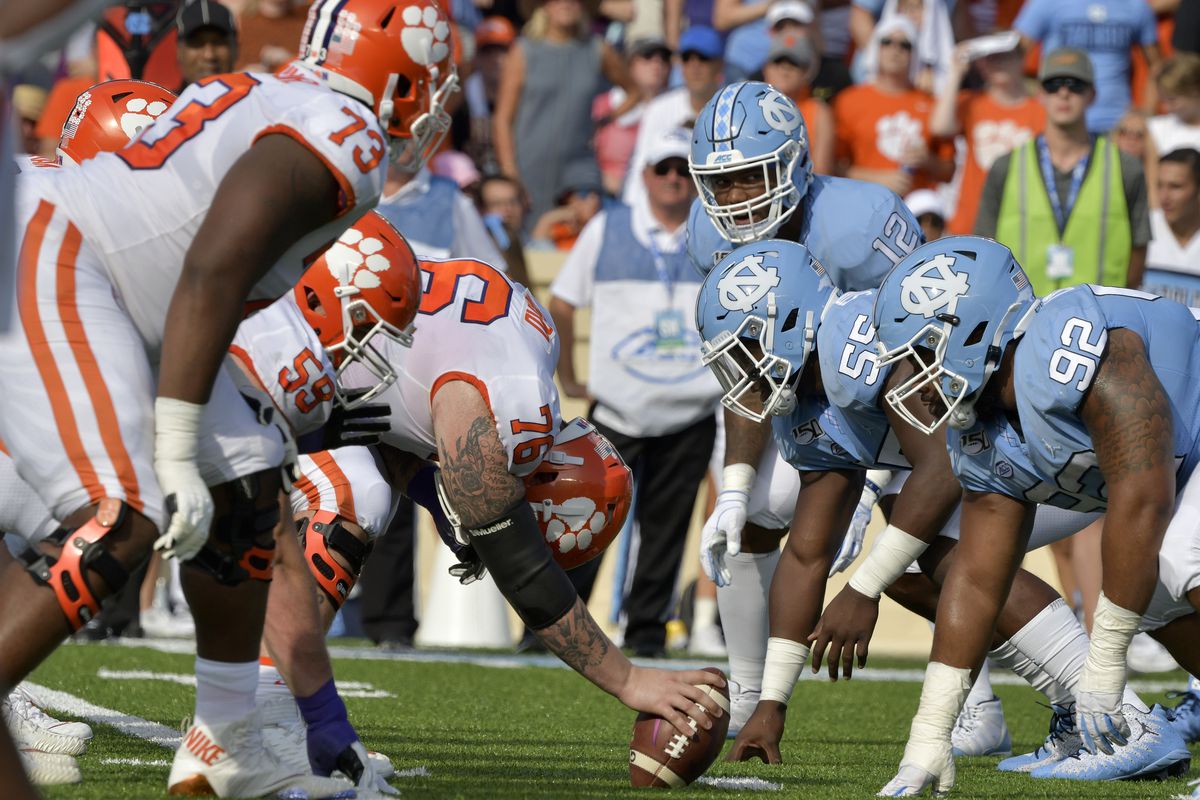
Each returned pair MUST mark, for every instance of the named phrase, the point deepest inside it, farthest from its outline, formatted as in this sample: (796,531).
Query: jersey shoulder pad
(705,244)
(1057,358)
(846,348)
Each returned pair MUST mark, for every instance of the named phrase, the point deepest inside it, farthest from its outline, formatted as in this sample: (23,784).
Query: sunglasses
(692,54)
(903,44)
(1073,85)
(667,166)
(660,55)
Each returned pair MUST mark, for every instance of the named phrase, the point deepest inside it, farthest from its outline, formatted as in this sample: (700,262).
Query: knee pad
(82,549)
(322,534)
(248,532)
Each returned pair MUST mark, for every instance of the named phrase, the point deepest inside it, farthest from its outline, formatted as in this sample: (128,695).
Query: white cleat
(707,641)
(80,730)
(981,731)
(158,623)
(742,702)
(284,732)
(1147,656)
(50,769)
(231,760)
(35,730)
(912,781)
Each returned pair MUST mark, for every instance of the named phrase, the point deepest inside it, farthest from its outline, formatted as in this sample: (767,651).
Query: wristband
(738,477)
(176,429)
(785,661)
(894,550)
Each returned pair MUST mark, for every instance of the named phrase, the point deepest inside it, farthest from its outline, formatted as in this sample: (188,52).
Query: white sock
(224,690)
(745,617)
(981,690)
(1055,641)
(1009,657)
(270,682)
(704,613)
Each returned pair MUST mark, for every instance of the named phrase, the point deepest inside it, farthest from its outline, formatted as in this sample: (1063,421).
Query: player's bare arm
(1128,416)
(274,195)
(823,510)
(488,502)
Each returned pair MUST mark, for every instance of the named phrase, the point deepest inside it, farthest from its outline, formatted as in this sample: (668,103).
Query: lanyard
(1052,186)
(660,266)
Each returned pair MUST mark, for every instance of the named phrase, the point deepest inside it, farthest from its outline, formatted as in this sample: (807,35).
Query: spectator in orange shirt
(791,64)
(882,127)
(993,120)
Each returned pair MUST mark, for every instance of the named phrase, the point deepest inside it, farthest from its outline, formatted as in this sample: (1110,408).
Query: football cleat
(742,702)
(1063,741)
(1146,655)
(231,760)
(980,730)
(1155,751)
(1185,717)
(34,730)
(284,732)
(49,769)
(80,730)
(707,640)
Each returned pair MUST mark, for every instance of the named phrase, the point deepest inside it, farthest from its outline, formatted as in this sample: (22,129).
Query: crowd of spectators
(1068,129)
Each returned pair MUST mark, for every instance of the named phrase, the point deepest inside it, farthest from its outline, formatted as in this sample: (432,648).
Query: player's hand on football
(761,735)
(845,629)
(673,695)
(723,534)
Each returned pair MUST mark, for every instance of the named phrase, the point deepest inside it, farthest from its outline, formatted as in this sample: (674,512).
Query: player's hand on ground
(356,766)
(1102,725)
(723,533)
(672,695)
(761,735)
(844,629)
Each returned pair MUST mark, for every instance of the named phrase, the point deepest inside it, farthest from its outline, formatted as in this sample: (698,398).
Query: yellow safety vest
(1097,230)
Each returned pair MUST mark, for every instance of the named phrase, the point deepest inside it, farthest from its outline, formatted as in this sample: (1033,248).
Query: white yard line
(126,723)
(358,689)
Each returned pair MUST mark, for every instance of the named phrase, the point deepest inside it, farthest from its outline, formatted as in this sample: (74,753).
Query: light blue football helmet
(952,306)
(751,125)
(758,312)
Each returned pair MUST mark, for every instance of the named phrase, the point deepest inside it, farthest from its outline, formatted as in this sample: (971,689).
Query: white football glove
(1100,694)
(1102,724)
(188,502)
(370,783)
(853,541)
(723,533)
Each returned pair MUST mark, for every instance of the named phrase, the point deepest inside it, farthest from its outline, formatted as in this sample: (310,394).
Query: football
(661,757)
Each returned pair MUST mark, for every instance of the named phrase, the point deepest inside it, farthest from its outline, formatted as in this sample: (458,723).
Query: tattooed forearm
(475,476)
(577,640)
(1127,412)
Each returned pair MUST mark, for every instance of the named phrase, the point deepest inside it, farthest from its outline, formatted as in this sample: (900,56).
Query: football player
(1105,418)
(133,271)
(750,161)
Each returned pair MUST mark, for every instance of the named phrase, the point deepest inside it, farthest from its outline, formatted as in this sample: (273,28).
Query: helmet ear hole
(387,18)
(790,321)
(314,302)
(976,335)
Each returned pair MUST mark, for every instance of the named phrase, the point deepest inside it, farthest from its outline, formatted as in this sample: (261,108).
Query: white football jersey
(474,325)
(277,349)
(140,208)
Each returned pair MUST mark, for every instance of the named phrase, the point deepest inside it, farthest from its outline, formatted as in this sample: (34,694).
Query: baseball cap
(703,40)
(925,201)
(796,10)
(672,143)
(896,23)
(648,46)
(495,32)
(199,14)
(1067,62)
(796,49)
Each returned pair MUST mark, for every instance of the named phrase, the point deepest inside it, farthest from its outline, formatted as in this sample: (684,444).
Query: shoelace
(1062,725)
(23,704)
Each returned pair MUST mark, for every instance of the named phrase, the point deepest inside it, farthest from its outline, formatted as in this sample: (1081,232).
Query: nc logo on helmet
(933,288)
(746,284)
(779,112)
(354,260)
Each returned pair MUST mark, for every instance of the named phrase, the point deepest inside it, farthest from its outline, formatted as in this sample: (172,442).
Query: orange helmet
(394,56)
(366,283)
(580,494)
(108,116)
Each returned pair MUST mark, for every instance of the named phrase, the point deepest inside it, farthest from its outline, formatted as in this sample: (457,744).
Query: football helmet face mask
(108,116)
(758,312)
(580,493)
(393,55)
(365,284)
(750,130)
(950,307)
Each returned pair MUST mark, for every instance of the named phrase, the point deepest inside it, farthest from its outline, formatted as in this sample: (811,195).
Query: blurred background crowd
(1068,129)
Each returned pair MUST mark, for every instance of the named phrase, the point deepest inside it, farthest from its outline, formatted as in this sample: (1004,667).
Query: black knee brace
(322,535)
(248,532)
(82,549)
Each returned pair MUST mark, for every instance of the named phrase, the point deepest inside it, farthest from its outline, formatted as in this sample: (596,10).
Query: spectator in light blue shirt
(1107,30)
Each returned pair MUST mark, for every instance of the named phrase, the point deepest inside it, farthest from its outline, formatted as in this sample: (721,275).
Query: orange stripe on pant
(341,485)
(311,492)
(89,368)
(43,357)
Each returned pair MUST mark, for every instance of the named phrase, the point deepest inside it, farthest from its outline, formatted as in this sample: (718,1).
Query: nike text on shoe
(1155,751)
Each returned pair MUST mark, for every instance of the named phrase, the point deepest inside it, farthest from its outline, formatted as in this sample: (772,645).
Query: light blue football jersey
(857,230)
(845,428)
(1052,459)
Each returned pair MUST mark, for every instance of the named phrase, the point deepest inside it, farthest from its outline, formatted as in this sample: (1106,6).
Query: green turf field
(510,731)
